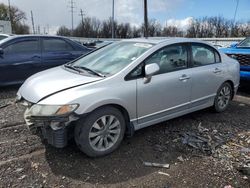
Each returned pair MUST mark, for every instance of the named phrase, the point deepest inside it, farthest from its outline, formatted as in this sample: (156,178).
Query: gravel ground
(25,161)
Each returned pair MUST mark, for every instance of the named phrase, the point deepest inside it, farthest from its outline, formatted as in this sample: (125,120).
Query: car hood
(51,81)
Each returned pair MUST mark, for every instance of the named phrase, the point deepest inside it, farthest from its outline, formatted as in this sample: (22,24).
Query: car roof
(158,40)
(13,37)
(20,36)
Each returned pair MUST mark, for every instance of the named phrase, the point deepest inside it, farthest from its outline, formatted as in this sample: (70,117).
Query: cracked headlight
(52,110)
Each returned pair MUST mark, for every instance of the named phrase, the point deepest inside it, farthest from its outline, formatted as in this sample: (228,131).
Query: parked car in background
(240,52)
(126,86)
(22,56)
(97,44)
(218,46)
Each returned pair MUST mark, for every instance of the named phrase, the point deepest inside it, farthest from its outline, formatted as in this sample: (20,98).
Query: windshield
(245,43)
(113,58)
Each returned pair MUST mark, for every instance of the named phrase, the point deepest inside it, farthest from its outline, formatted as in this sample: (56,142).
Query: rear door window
(54,45)
(204,55)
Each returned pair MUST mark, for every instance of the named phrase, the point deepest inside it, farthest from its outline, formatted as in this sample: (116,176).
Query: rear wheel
(223,97)
(101,132)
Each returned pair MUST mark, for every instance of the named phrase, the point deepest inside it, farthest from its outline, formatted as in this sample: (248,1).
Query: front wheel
(223,97)
(101,132)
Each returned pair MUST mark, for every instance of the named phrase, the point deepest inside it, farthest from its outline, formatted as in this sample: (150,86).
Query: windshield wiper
(90,70)
(72,68)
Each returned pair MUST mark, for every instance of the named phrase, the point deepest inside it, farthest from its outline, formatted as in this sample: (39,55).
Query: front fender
(97,104)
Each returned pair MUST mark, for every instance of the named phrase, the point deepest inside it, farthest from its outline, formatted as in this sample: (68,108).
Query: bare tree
(199,28)
(154,28)
(63,31)
(17,18)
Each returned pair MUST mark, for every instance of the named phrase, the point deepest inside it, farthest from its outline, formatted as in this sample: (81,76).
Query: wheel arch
(232,86)
(129,126)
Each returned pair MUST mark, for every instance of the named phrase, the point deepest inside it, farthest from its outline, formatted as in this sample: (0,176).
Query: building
(5,27)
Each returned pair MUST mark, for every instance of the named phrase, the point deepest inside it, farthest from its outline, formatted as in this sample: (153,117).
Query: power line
(236,9)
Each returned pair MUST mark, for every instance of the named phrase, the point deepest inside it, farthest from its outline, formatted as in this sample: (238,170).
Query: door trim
(163,113)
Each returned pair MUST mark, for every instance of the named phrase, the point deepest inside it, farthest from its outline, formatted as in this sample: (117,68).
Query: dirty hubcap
(224,97)
(104,133)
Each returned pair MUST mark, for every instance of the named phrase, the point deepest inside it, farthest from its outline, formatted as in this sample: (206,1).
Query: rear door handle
(217,70)
(184,77)
(36,57)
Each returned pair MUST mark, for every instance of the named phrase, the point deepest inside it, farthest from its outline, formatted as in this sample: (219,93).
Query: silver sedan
(126,86)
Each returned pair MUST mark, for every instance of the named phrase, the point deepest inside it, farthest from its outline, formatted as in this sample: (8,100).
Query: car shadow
(122,165)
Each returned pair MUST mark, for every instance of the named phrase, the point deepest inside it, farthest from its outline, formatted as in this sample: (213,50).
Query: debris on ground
(4,104)
(203,141)
(237,152)
(22,177)
(245,169)
(159,165)
(180,158)
(163,173)
(232,150)
(19,170)
(228,186)
(202,129)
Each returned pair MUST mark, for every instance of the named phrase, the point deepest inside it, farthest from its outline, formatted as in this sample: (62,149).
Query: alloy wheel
(224,97)
(104,133)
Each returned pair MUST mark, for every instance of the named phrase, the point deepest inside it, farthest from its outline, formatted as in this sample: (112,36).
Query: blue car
(23,56)
(241,52)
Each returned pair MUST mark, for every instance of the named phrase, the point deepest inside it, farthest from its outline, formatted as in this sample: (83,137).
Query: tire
(101,132)
(223,97)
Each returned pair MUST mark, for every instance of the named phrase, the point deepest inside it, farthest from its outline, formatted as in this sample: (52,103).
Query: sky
(51,14)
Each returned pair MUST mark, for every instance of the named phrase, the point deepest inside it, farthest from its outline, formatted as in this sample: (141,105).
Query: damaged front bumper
(57,130)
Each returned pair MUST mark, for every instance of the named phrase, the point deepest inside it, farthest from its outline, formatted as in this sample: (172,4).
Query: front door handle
(217,70)
(184,77)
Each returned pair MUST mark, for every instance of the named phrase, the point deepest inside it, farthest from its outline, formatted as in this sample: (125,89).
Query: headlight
(52,110)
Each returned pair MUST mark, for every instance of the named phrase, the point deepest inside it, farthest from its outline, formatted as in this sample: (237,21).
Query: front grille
(244,59)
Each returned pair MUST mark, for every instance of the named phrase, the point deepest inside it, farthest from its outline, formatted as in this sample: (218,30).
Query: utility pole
(10,16)
(82,15)
(38,29)
(82,26)
(145,19)
(113,18)
(32,20)
(48,28)
(72,9)
(236,9)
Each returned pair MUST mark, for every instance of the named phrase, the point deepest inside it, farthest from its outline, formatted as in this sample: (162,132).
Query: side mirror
(150,70)
(234,44)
